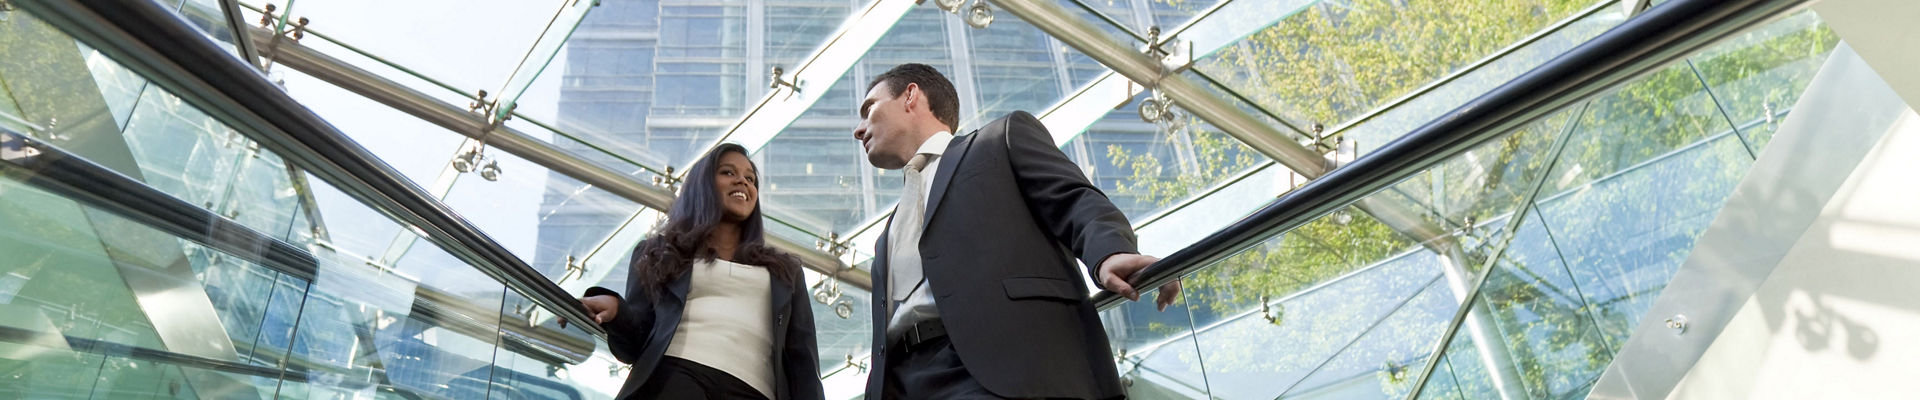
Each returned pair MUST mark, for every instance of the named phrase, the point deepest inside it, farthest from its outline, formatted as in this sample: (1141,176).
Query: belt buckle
(913,337)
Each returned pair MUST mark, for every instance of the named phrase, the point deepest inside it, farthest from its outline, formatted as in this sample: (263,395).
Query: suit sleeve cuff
(596,291)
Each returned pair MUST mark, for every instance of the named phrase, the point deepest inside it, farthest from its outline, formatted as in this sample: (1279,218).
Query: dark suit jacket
(638,335)
(1006,218)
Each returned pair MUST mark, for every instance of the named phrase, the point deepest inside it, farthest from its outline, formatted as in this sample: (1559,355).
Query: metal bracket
(527,311)
(574,270)
(667,181)
(471,160)
(778,81)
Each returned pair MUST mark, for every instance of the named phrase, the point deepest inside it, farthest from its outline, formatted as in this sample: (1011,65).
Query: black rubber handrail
(1638,46)
(159,46)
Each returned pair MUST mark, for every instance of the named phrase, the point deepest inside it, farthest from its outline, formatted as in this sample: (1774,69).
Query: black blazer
(1006,218)
(638,335)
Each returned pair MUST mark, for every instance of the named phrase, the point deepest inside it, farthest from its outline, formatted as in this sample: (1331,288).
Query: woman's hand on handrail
(602,307)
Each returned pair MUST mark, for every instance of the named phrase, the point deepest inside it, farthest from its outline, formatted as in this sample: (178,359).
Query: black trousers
(681,379)
(931,370)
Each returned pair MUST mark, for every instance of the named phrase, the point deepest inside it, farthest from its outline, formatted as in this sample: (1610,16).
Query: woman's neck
(724,240)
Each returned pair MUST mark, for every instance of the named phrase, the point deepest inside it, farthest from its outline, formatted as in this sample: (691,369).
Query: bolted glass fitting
(843,309)
(979,16)
(952,6)
(491,172)
(467,161)
(1150,110)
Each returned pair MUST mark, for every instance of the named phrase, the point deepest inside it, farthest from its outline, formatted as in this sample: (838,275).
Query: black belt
(921,333)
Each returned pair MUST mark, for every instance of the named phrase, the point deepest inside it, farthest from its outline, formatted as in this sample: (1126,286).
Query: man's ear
(911,95)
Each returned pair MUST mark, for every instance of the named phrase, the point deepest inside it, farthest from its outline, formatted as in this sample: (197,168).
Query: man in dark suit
(976,292)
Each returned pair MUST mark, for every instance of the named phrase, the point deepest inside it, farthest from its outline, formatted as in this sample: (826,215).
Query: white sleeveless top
(728,323)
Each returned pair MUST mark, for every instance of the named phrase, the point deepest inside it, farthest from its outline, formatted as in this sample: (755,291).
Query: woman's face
(738,185)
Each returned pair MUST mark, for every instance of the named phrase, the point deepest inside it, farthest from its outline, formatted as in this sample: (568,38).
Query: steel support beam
(474,125)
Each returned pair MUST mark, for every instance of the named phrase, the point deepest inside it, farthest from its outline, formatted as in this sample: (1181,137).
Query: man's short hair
(941,98)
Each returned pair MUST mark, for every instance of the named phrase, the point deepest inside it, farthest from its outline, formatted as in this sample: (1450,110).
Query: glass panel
(211,20)
(1336,60)
(1340,307)
(818,180)
(796,28)
(1624,236)
(1383,362)
(1757,77)
(1544,318)
(1114,17)
(841,339)
(60,320)
(816,177)
(521,369)
(544,217)
(1660,113)
(118,86)
(58,277)
(261,195)
(1382,126)
(1146,167)
(1464,363)
(182,151)
(1271,345)
(1014,67)
(364,328)
(1166,14)
(348,227)
(1157,350)
(541,55)
(417,149)
(477,50)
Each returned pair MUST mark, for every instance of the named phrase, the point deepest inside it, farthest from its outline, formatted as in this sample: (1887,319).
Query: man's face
(885,131)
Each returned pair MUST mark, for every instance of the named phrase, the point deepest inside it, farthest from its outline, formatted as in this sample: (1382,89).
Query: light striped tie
(903,268)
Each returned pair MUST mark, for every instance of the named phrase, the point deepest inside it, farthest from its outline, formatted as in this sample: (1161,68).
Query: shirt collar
(936,144)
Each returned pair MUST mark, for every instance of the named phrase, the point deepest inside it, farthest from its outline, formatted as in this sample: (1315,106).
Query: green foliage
(1333,62)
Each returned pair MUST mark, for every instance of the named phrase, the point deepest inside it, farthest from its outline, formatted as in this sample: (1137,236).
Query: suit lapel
(680,287)
(782,294)
(956,151)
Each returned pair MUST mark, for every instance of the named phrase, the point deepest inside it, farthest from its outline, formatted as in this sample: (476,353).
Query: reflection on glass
(1337,60)
(1636,122)
(182,151)
(1157,352)
(1624,236)
(1758,76)
(1145,167)
(1381,127)
(1383,362)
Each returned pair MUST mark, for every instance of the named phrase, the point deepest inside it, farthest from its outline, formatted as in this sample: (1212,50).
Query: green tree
(1332,63)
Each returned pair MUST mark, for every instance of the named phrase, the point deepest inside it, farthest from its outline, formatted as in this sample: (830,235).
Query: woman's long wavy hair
(671,250)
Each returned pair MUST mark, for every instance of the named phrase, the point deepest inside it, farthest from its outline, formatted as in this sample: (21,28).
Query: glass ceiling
(642,87)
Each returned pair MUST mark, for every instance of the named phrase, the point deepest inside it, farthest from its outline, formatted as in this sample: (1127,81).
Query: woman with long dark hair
(710,310)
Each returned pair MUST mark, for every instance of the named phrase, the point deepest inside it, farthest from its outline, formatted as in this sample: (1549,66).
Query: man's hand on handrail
(1115,271)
